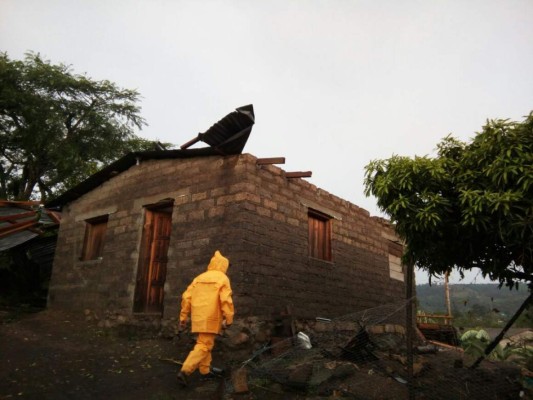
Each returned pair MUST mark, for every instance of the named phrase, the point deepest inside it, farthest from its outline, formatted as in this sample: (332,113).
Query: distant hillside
(471,299)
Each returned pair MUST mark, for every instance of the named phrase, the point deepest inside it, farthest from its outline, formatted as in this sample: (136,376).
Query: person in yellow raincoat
(208,300)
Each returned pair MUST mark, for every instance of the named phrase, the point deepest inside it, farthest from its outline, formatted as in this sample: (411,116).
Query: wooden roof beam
(191,142)
(272,160)
(10,229)
(14,217)
(298,174)
(30,203)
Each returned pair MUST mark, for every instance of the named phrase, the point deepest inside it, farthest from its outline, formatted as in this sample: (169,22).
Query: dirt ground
(53,355)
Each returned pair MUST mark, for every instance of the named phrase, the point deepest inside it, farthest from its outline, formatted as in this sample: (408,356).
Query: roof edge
(121,165)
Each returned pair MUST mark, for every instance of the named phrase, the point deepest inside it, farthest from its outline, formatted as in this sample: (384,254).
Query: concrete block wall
(273,268)
(253,214)
(203,189)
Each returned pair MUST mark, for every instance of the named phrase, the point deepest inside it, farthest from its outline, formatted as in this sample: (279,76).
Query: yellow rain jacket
(208,298)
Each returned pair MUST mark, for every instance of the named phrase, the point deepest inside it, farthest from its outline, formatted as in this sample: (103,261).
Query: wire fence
(364,355)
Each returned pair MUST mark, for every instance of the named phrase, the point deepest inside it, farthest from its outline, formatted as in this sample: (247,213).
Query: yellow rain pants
(200,356)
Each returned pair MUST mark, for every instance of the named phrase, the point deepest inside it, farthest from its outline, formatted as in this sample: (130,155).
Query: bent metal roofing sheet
(230,134)
(226,137)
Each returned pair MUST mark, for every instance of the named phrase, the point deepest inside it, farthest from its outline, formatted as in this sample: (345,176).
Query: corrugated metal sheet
(16,239)
(41,251)
(230,134)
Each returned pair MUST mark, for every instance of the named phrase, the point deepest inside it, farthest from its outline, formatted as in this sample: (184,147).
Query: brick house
(134,235)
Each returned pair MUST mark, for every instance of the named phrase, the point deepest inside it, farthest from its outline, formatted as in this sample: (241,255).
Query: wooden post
(409,328)
(447,321)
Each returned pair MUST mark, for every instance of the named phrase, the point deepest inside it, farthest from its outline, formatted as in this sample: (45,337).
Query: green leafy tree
(57,128)
(469,206)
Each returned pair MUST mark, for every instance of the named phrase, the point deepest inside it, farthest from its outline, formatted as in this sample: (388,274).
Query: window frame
(94,238)
(319,235)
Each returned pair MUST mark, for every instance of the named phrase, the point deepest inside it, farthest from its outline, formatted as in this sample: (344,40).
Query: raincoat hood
(218,263)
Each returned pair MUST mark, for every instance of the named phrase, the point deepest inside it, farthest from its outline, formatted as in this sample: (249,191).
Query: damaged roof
(21,221)
(230,134)
(226,137)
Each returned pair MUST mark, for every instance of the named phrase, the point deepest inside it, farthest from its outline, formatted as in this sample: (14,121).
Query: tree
(57,128)
(470,206)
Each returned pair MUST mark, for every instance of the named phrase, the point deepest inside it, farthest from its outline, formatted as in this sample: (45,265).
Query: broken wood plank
(446,345)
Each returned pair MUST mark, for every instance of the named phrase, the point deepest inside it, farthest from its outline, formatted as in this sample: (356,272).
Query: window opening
(319,235)
(93,243)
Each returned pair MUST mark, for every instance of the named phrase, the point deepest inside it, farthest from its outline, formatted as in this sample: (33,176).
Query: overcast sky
(334,83)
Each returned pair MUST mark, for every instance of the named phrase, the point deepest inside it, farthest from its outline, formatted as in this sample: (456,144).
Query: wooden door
(149,291)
